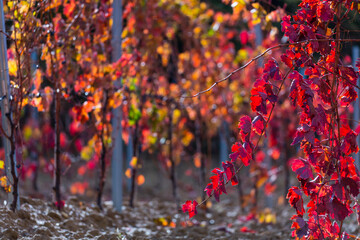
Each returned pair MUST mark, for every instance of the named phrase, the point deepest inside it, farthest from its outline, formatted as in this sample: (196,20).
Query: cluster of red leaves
(327,174)
(263,98)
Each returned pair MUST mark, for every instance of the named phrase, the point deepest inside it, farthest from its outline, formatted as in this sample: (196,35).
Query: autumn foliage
(322,94)
(187,73)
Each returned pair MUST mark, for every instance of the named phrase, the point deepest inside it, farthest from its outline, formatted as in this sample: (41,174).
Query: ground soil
(153,219)
(155,215)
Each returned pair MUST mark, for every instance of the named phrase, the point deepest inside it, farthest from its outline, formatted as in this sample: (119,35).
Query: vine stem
(103,153)
(261,55)
(262,133)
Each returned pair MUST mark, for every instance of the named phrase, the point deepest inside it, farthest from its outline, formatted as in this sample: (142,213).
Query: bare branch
(261,55)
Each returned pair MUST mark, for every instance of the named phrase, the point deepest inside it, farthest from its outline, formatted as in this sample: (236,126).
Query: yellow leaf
(187,138)
(160,50)
(12,67)
(328,32)
(261,181)
(86,153)
(27,132)
(176,115)
(133,162)
(24,7)
(197,31)
(10,4)
(242,55)
(4,184)
(1,164)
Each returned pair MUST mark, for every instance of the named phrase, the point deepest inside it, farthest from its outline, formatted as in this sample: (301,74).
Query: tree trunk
(103,154)
(172,168)
(136,154)
(57,163)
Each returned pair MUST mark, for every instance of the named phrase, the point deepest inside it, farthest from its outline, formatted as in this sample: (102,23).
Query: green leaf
(134,115)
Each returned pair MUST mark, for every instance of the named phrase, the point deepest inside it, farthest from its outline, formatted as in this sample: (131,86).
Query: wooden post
(117,155)
(5,103)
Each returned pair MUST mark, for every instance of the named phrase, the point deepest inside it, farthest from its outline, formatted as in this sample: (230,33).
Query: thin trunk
(240,193)
(57,165)
(14,174)
(134,168)
(256,193)
(198,135)
(129,155)
(255,189)
(35,178)
(172,168)
(103,155)
(35,116)
(7,127)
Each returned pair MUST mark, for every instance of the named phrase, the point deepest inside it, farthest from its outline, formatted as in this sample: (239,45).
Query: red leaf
(190,207)
(302,168)
(209,189)
(258,104)
(245,127)
(301,227)
(305,132)
(269,189)
(244,37)
(69,8)
(258,124)
(348,96)
(60,204)
(271,71)
(351,185)
(349,144)
(300,92)
(324,12)
(339,210)
(218,184)
(289,29)
(339,191)
(287,60)
(240,152)
(295,200)
(246,230)
(230,172)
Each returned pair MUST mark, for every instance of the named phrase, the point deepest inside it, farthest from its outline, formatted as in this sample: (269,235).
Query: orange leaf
(140,180)
(128,173)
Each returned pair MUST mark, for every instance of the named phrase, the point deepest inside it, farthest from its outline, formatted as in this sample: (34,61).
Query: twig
(261,55)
